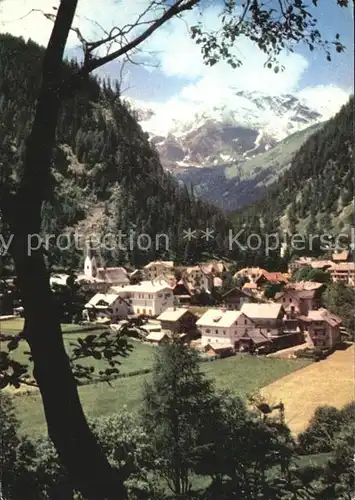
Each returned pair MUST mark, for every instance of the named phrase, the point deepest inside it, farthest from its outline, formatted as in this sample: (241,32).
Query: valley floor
(328,382)
(241,374)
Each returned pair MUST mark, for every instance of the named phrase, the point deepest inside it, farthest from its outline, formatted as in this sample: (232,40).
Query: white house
(266,316)
(218,326)
(109,305)
(147,297)
(157,268)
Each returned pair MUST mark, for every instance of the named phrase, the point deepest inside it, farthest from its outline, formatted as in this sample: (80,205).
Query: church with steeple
(90,263)
(100,278)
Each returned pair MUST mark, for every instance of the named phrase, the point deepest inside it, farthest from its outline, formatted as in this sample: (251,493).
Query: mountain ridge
(205,135)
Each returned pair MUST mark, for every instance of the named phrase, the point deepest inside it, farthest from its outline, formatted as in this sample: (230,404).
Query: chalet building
(268,316)
(235,298)
(180,287)
(198,279)
(322,328)
(299,301)
(147,297)
(109,305)
(219,326)
(158,268)
(343,272)
(178,320)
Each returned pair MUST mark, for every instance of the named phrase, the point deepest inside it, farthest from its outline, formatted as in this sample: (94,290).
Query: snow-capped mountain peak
(203,135)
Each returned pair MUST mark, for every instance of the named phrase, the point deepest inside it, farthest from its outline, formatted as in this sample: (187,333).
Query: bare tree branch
(92,64)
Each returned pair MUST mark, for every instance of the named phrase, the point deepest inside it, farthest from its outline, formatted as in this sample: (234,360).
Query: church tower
(90,265)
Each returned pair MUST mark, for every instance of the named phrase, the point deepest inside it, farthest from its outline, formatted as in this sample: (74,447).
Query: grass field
(13,326)
(328,382)
(240,374)
(141,356)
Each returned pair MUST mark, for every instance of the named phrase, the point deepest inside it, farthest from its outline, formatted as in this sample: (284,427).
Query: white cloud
(17,18)
(326,99)
(177,54)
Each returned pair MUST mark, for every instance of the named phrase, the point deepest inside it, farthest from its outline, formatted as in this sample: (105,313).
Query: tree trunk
(79,452)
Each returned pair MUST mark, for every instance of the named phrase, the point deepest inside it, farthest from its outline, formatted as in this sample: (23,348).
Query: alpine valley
(230,153)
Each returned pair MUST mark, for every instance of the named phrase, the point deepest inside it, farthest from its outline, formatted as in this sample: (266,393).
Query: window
(138,311)
(208,330)
(245,322)
(224,332)
(216,332)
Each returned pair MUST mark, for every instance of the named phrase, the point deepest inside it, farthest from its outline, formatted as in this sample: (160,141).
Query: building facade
(219,326)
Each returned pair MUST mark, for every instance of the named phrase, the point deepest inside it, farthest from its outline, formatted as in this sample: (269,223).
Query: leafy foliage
(325,425)
(271,29)
(339,299)
(178,406)
(309,274)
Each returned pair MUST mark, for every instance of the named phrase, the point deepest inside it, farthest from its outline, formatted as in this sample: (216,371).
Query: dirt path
(328,382)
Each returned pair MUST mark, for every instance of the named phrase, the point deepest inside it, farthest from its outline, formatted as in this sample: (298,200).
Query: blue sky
(179,77)
(332,20)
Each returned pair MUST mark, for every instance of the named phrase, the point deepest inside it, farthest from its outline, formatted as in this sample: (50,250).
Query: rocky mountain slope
(242,183)
(204,136)
(230,152)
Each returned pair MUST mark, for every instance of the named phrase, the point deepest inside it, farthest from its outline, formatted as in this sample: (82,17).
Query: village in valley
(219,313)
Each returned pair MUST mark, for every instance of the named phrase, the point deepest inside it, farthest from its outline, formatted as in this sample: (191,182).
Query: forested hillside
(316,193)
(245,181)
(105,171)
